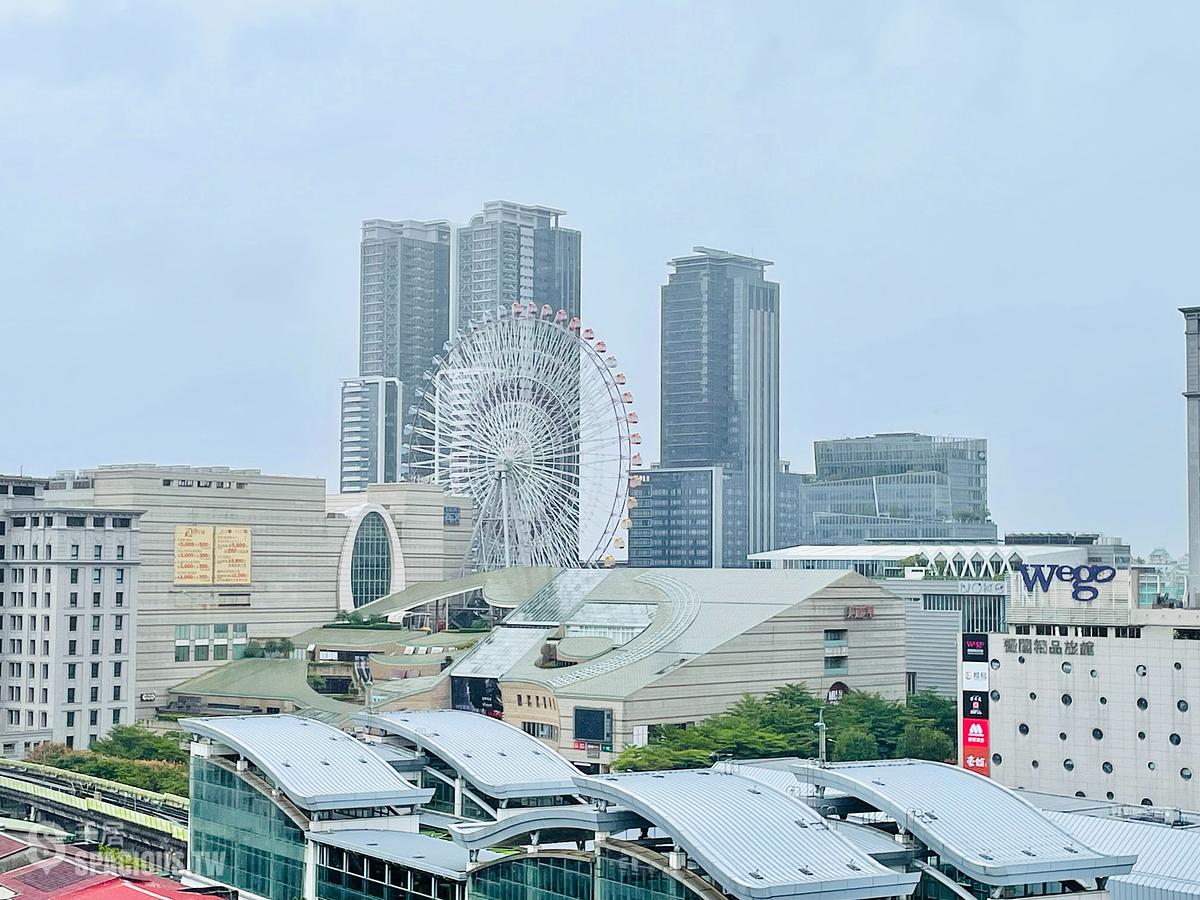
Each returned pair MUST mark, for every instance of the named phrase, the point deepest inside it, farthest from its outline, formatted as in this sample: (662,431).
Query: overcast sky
(983,216)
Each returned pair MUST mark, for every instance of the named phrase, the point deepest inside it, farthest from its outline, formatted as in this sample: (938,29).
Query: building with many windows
(512,253)
(720,387)
(372,425)
(445,805)
(677,518)
(230,556)
(895,487)
(68,608)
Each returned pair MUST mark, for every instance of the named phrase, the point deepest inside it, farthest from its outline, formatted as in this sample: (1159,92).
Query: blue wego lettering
(1083,579)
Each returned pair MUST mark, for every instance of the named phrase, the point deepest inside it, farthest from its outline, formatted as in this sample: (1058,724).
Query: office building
(444,805)
(372,425)
(1191,316)
(677,518)
(787,505)
(230,556)
(896,487)
(404,313)
(511,253)
(720,387)
(591,661)
(69,605)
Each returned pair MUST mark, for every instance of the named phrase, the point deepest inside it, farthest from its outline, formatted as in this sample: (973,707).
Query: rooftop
(754,841)
(942,805)
(496,757)
(1040,552)
(708,254)
(316,765)
(418,851)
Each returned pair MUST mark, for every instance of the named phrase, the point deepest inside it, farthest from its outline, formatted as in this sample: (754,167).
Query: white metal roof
(499,759)
(903,551)
(498,652)
(1168,858)
(979,826)
(416,851)
(316,765)
(753,840)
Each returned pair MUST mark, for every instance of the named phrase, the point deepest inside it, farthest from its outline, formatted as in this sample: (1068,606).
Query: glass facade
(720,388)
(541,877)
(371,562)
(239,837)
(624,877)
(677,520)
(345,875)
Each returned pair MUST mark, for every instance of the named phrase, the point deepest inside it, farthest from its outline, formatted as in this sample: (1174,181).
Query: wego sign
(1083,579)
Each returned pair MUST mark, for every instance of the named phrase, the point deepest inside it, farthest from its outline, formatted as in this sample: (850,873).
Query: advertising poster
(193,554)
(231,555)
(975,749)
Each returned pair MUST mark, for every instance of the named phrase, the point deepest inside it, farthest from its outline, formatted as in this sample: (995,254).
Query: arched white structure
(361,515)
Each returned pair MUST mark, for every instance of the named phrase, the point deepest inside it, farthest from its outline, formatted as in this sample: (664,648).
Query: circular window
(1107,767)
(1103,701)
(1185,773)
(1035,763)
(1094,675)
(1023,728)
(995,663)
(1080,794)
(1032,695)
(1182,706)
(1142,703)
(997,759)
(1109,795)
(1021,660)
(1062,735)
(1178,666)
(1069,764)
(370,561)
(1141,735)
(1141,670)
(1066,667)
(1066,699)
(1151,766)
(1098,734)
(1174,739)
(995,695)
(1146,801)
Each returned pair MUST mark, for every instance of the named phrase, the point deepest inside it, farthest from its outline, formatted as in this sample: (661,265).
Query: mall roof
(930,551)
(416,851)
(546,821)
(980,827)
(753,841)
(499,759)
(316,765)
(501,587)
(1168,859)
(264,679)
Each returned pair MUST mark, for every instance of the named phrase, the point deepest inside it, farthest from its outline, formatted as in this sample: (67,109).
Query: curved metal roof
(496,757)
(754,841)
(316,765)
(415,851)
(544,819)
(976,824)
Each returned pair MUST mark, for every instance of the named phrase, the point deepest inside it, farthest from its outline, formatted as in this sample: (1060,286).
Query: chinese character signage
(859,611)
(973,704)
(231,555)
(1050,646)
(193,554)
(212,555)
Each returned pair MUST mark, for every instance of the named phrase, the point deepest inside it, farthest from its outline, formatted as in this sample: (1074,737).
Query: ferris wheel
(527,416)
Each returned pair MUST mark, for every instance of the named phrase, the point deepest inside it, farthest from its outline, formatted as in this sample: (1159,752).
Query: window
(71,668)
(183,632)
(118,623)
(96,575)
(220,651)
(71,719)
(118,646)
(96,551)
(1182,706)
(94,694)
(70,695)
(95,648)
(221,632)
(95,623)
(1098,734)
(116,692)
(182,653)
(1108,768)
(93,719)
(74,599)
(201,652)
(95,599)
(836,665)
(74,553)
(74,576)
(120,576)
(117,669)
(1069,764)
(1175,739)
(119,599)
(98,521)
(120,551)
(95,668)
(116,717)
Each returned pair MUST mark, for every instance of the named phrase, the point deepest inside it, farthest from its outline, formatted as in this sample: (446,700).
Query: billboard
(231,555)
(975,745)
(193,554)
(208,555)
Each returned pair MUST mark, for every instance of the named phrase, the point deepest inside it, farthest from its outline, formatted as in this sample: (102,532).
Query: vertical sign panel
(973,704)
(193,554)
(231,555)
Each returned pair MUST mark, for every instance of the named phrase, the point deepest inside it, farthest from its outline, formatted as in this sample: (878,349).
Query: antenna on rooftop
(822,756)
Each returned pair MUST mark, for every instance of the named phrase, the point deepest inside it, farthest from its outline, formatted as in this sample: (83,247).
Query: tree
(941,712)
(135,742)
(254,650)
(854,744)
(924,742)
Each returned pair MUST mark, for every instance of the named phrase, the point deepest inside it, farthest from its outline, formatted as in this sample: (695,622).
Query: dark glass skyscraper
(720,387)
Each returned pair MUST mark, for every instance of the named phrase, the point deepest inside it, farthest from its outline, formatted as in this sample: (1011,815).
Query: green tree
(853,744)
(254,650)
(135,742)
(924,742)
(941,712)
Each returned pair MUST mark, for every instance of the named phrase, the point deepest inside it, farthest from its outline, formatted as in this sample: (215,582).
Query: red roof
(80,879)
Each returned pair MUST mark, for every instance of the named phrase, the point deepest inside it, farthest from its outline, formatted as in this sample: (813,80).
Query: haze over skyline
(979,216)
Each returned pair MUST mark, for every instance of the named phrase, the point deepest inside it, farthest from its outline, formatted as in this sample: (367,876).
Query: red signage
(976,740)
(977,763)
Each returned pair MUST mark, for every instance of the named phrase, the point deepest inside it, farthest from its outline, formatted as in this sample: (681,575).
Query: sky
(982,216)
